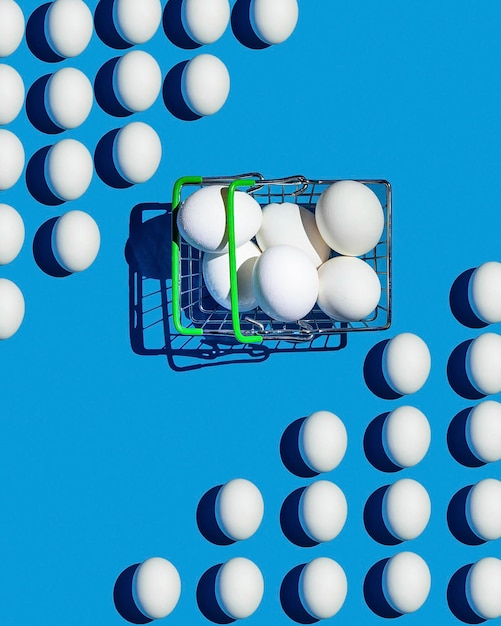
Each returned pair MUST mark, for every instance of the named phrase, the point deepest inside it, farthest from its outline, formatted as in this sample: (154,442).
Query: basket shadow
(42,251)
(290,452)
(457,441)
(290,522)
(207,600)
(373,373)
(123,598)
(374,520)
(374,593)
(457,519)
(242,27)
(374,447)
(457,375)
(460,304)
(290,598)
(36,38)
(207,520)
(457,599)
(173,26)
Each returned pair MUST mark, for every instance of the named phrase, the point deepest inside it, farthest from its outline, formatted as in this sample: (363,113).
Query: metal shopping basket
(195,312)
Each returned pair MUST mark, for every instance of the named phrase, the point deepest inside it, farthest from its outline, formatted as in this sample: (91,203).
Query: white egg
(216,273)
(350,217)
(348,289)
(273,21)
(156,587)
(11,94)
(483,431)
(11,159)
(483,588)
(483,363)
(205,84)
(11,233)
(68,27)
(406,582)
(68,97)
(406,363)
(483,509)
(68,169)
(239,509)
(406,436)
(75,241)
(137,20)
(137,152)
(323,587)
(202,218)
(205,20)
(137,80)
(11,27)
(11,308)
(322,510)
(293,225)
(239,587)
(406,509)
(285,283)
(322,441)
(484,292)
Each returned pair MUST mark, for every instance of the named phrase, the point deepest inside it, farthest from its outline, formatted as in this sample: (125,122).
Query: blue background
(105,454)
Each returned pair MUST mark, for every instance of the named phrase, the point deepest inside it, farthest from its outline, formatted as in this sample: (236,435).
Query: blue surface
(105,454)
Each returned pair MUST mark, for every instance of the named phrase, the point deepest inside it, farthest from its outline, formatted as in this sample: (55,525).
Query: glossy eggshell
(216,274)
(11,27)
(273,21)
(239,509)
(350,217)
(11,308)
(285,283)
(68,169)
(322,587)
(484,292)
(156,587)
(406,582)
(205,20)
(406,363)
(483,431)
(322,441)
(239,588)
(11,94)
(406,509)
(137,80)
(483,363)
(483,583)
(205,84)
(68,27)
(291,224)
(201,218)
(137,152)
(137,20)
(11,159)
(75,241)
(68,97)
(483,509)
(406,436)
(348,289)
(11,233)
(322,510)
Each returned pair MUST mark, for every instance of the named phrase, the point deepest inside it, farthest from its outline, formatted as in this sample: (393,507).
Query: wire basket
(196,313)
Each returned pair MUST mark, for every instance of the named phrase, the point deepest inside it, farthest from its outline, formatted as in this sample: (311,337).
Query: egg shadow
(374,593)
(207,599)
(172,94)
(105,164)
(457,519)
(35,179)
(42,251)
(105,28)
(373,373)
(36,37)
(290,598)
(374,520)
(207,520)
(458,443)
(457,599)
(290,522)
(36,109)
(456,373)
(460,303)
(290,451)
(124,600)
(173,26)
(105,93)
(374,447)
(242,27)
